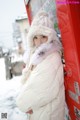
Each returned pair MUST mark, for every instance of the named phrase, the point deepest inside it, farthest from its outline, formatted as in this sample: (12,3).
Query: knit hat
(41,25)
(43,19)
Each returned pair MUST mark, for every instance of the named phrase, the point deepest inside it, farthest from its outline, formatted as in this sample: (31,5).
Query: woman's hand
(30,111)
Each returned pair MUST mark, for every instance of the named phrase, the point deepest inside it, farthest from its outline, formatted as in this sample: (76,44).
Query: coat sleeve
(42,87)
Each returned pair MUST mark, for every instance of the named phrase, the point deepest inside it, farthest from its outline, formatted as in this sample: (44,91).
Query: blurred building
(20,30)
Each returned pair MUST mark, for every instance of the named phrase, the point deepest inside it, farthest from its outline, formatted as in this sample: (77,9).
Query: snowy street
(8,92)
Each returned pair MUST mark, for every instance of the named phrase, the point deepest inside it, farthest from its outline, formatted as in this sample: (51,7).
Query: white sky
(9,11)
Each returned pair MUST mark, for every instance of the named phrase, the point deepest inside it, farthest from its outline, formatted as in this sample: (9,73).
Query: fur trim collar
(43,51)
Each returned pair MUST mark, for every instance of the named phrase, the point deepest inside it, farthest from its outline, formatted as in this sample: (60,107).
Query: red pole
(28,10)
(28,13)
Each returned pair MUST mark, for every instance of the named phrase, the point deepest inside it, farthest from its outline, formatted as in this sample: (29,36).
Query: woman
(42,95)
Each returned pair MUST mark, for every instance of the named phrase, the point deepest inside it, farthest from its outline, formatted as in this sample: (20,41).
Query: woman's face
(39,39)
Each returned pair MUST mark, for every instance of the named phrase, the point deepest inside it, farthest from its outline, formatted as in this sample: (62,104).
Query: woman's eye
(44,36)
(35,37)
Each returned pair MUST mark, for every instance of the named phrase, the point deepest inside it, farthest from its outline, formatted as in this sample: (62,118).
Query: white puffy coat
(43,92)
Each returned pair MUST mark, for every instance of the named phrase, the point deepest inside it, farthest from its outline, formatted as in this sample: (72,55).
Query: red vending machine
(69,23)
(68,18)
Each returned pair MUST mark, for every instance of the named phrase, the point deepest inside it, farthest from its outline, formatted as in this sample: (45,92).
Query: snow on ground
(9,90)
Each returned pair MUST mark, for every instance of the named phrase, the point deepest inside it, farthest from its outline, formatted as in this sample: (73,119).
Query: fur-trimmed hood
(41,25)
(41,30)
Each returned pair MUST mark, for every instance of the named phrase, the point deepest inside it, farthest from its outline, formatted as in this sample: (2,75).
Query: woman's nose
(39,40)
